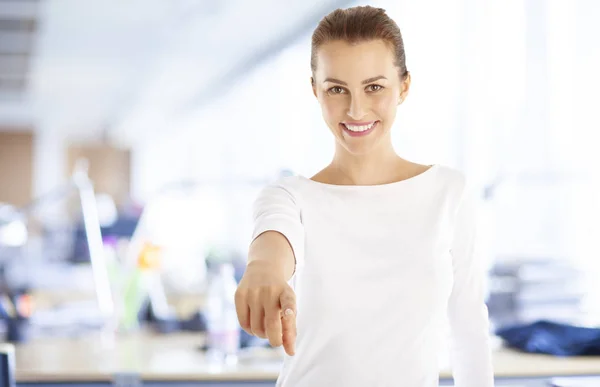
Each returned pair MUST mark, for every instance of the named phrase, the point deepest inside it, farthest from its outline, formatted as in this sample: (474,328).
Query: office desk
(176,360)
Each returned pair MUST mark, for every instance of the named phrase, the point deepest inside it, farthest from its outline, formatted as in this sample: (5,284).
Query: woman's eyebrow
(373,79)
(333,80)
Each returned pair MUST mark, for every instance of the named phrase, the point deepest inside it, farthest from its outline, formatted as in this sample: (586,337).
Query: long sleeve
(275,209)
(467,313)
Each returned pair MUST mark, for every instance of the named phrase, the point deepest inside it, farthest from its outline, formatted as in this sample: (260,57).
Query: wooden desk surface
(177,357)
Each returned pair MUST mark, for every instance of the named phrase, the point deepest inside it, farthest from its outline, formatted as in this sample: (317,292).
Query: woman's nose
(357,108)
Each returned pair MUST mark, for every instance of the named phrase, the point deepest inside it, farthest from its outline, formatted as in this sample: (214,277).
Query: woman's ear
(314,87)
(404,88)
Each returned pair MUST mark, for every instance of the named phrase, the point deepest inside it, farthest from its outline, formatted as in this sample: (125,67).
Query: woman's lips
(359,134)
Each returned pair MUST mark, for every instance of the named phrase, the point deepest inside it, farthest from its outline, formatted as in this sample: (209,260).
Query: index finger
(288,322)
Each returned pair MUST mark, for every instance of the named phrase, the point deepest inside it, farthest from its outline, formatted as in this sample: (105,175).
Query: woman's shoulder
(288,182)
(288,185)
(458,185)
(451,174)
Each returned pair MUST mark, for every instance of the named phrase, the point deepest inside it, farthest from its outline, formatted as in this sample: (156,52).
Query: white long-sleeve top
(379,270)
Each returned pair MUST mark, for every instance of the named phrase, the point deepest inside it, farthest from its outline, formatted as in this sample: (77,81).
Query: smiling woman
(359,76)
(359,88)
(378,250)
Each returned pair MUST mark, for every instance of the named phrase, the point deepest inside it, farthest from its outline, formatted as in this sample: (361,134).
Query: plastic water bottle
(223,329)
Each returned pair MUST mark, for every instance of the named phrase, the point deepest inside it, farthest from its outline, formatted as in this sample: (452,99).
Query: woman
(355,270)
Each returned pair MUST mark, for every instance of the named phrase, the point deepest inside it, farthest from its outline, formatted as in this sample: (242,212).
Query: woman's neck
(381,167)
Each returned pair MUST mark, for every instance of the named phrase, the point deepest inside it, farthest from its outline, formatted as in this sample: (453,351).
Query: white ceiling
(131,64)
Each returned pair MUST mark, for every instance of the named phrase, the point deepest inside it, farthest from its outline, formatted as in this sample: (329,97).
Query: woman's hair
(356,25)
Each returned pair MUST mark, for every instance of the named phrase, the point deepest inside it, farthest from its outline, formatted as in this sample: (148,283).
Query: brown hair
(359,24)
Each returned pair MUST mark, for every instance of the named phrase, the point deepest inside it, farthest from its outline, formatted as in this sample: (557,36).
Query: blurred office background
(179,111)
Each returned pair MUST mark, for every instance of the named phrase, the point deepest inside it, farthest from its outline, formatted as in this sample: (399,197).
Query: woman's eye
(374,87)
(336,90)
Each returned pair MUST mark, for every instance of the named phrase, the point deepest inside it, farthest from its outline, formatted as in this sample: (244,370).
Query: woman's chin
(359,148)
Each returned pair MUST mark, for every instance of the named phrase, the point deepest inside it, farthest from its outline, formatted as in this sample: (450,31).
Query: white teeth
(360,128)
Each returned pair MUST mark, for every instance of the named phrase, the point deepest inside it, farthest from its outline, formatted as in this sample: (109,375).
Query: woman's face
(359,89)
